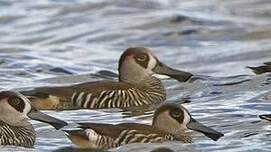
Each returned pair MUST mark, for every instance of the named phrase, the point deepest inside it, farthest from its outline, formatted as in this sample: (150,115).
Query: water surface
(57,42)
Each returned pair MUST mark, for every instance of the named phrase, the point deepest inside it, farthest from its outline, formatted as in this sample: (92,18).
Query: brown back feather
(65,92)
(114,131)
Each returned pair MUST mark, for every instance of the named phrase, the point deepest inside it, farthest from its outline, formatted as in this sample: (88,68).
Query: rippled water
(56,42)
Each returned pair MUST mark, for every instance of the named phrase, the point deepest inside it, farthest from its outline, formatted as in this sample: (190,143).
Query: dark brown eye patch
(141,57)
(17,103)
(177,114)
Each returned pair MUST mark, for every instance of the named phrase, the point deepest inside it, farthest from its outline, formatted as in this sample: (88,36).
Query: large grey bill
(179,75)
(209,132)
(39,116)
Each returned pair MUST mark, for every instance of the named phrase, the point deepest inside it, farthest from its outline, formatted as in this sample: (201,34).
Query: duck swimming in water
(170,122)
(136,86)
(15,129)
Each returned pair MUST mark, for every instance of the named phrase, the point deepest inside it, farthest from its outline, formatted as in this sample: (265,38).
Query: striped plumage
(17,135)
(14,127)
(169,123)
(136,86)
(123,134)
(129,96)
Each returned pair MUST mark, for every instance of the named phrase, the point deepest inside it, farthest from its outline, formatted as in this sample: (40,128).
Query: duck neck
(133,76)
(147,81)
(151,87)
(22,134)
(147,90)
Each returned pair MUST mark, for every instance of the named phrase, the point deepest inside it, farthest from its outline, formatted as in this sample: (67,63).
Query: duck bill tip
(207,131)
(178,75)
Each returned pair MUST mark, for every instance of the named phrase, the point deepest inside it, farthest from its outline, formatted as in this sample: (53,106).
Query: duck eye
(141,57)
(176,114)
(17,103)
(14,100)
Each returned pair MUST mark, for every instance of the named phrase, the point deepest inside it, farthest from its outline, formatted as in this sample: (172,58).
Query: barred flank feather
(17,135)
(134,96)
(128,137)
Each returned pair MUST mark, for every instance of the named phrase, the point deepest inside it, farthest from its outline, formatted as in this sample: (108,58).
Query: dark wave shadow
(73,149)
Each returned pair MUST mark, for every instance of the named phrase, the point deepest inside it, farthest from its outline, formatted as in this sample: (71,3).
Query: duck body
(169,124)
(136,86)
(101,94)
(106,136)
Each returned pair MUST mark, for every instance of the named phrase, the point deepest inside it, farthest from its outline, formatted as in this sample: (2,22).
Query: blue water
(57,42)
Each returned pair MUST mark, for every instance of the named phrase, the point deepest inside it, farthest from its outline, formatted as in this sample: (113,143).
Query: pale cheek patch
(27,108)
(9,114)
(152,62)
(186,119)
